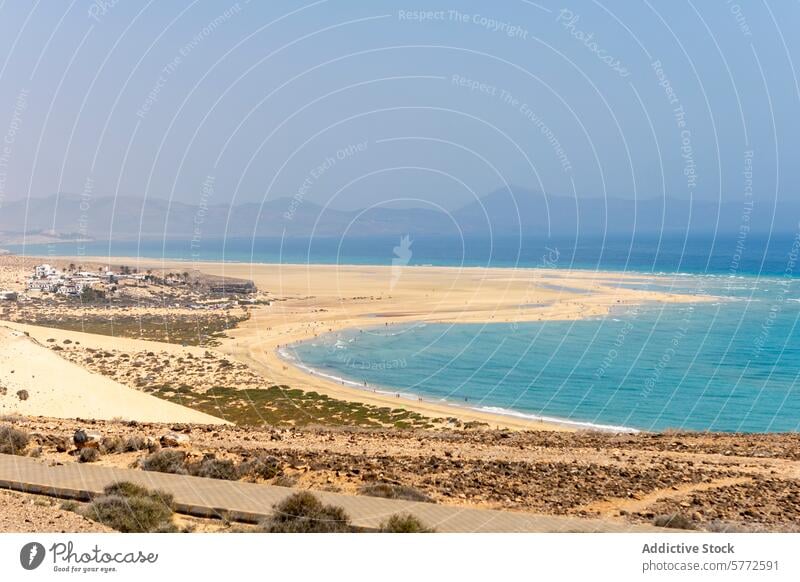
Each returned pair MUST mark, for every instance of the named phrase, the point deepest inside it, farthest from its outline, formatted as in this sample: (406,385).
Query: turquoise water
(729,365)
(648,254)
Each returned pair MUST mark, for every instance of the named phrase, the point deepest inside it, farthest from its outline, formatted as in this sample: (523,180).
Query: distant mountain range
(500,213)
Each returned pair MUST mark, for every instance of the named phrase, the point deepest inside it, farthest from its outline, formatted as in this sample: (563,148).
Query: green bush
(130,508)
(390,491)
(404,523)
(166,461)
(304,513)
(13,441)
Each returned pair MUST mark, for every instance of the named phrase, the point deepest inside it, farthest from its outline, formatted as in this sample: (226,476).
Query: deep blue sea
(668,254)
(727,365)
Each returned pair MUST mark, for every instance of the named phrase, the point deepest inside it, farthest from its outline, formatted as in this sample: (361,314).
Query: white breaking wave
(490,409)
(556,420)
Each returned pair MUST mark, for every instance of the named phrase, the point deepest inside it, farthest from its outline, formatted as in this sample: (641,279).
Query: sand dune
(58,388)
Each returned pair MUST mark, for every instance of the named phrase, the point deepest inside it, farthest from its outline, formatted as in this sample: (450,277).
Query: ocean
(730,365)
(740,255)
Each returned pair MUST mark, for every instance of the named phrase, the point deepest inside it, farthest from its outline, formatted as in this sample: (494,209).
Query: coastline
(565,424)
(620,478)
(142,260)
(311,300)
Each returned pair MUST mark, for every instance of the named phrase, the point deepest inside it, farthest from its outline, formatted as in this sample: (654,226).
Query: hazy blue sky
(135,98)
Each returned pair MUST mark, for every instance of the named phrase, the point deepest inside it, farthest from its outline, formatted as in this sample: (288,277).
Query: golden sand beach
(309,300)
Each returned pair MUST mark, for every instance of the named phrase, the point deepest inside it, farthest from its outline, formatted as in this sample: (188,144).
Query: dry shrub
(404,523)
(675,521)
(131,508)
(214,469)
(111,445)
(390,491)
(135,443)
(88,455)
(304,513)
(12,440)
(263,467)
(166,461)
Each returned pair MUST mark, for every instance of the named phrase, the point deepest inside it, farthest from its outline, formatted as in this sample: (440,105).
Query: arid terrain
(713,482)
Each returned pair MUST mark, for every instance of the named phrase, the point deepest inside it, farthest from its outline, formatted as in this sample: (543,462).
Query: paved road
(251,502)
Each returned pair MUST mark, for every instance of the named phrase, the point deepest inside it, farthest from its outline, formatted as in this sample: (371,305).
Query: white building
(70,290)
(46,270)
(43,285)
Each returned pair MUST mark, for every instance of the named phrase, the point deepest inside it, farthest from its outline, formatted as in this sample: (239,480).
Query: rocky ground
(747,505)
(24,512)
(27,512)
(712,482)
